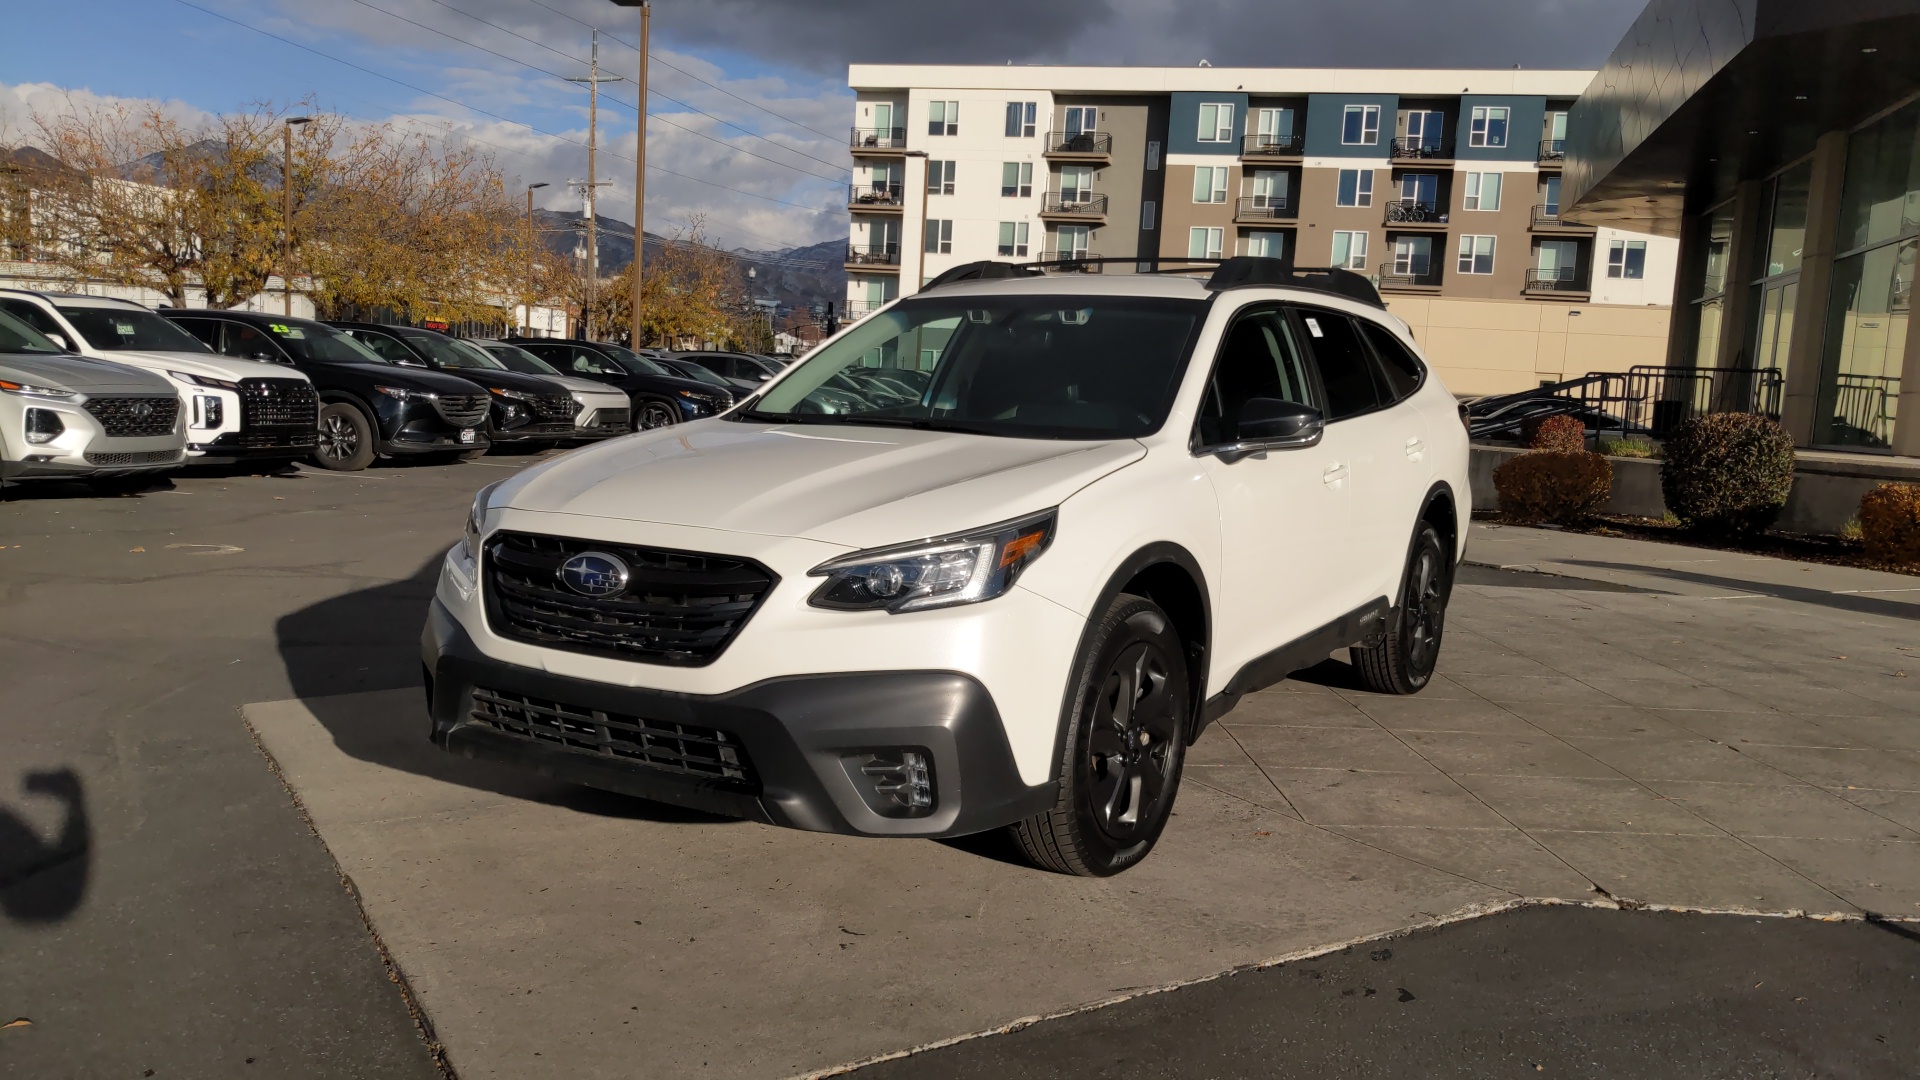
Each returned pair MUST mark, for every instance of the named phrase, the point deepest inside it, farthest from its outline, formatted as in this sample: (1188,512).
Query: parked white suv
(235,409)
(66,416)
(1119,504)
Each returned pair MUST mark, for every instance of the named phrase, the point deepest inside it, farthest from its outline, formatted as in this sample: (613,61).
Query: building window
(1076,184)
(1555,146)
(1356,188)
(1210,184)
(943,118)
(1424,131)
(1147,210)
(1350,250)
(1153,156)
(1476,254)
(1558,261)
(940,177)
(1420,190)
(1267,245)
(1269,190)
(1216,124)
(1013,238)
(1071,241)
(1627,259)
(1016,180)
(1412,256)
(1482,191)
(1082,119)
(1206,243)
(1020,119)
(1274,127)
(940,236)
(1361,126)
(1489,126)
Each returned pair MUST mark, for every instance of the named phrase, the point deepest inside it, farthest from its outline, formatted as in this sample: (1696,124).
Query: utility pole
(532,240)
(640,167)
(286,208)
(593,79)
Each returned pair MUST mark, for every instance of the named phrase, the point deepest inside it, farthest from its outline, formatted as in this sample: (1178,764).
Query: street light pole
(640,168)
(286,208)
(530,249)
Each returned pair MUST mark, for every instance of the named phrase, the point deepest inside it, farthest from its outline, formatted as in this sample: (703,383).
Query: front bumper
(540,431)
(82,449)
(804,738)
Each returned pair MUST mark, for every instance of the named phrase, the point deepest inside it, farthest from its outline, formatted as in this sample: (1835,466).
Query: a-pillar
(1806,352)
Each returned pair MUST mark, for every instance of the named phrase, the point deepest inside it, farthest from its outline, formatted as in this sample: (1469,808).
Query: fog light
(43,426)
(894,782)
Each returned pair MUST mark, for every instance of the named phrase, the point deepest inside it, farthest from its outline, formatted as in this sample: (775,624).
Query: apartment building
(1442,186)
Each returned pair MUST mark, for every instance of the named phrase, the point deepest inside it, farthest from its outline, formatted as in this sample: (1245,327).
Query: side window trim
(1196,442)
(1381,392)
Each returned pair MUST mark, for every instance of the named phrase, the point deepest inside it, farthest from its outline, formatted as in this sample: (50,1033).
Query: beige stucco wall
(1502,346)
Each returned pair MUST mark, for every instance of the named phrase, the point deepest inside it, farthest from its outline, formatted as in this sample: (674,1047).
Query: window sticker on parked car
(285,331)
(124,329)
(1313,327)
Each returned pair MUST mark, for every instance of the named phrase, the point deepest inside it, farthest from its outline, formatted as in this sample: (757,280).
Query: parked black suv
(659,396)
(526,408)
(689,369)
(368,406)
(732,365)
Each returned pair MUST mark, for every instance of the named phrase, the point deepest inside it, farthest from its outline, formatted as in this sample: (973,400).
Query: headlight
(202,380)
(405,394)
(514,394)
(934,573)
(477,520)
(54,393)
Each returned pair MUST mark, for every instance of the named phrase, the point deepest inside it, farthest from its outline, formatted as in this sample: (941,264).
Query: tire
(346,438)
(1125,745)
(655,413)
(1403,660)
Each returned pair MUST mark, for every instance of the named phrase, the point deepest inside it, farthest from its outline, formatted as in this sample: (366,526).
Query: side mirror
(410,362)
(1274,424)
(59,339)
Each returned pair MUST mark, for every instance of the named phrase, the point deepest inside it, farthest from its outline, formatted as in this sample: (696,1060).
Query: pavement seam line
(422,1023)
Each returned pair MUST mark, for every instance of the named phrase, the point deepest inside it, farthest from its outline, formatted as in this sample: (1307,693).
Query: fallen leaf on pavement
(132,550)
(18,1021)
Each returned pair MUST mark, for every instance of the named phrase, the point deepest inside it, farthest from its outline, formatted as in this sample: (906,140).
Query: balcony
(1410,277)
(1565,282)
(883,257)
(1553,153)
(882,197)
(1420,150)
(1074,206)
(888,141)
(1069,262)
(1255,209)
(1547,219)
(1080,145)
(1272,146)
(1416,215)
(860,309)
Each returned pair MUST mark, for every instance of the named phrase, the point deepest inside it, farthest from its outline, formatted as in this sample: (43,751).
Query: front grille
(612,420)
(705,753)
(149,457)
(678,607)
(278,403)
(462,410)
(555,407)
(135,417)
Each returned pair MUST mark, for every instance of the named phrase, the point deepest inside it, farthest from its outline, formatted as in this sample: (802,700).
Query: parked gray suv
(70,416)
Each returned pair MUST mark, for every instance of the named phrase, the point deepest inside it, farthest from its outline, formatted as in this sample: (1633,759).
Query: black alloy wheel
(655,414)
(1403,660)
(345,442)
(1124,749)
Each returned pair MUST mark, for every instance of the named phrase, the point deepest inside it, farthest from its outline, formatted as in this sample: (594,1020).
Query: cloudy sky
(749,100)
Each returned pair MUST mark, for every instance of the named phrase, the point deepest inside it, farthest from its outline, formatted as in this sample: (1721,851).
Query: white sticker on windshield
(1313,327)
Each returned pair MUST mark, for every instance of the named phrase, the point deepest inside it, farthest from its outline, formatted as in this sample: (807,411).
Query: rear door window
(1399,369)
(246,342)
(386,348)
(1345,365)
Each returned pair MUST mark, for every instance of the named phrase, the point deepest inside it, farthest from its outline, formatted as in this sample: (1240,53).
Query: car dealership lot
(1706,733)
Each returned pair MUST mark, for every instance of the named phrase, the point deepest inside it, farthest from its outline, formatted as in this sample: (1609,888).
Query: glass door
(1412,255)
(1076,184)
(1071,241)
(1270,190)
(1423,130)
(1421,190)
(1550,196)
(1556,135)
(883,121)
(1273,126)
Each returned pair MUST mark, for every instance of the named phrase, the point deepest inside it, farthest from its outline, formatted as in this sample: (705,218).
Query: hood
(575,385)
(504,380)
(412,378)
(854,486)
(211,365)
(81,373)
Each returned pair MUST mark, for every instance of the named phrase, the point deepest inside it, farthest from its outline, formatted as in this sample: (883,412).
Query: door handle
(1415,448)
(1335,473)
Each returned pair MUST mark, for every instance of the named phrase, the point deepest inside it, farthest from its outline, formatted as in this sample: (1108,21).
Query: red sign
(436,324)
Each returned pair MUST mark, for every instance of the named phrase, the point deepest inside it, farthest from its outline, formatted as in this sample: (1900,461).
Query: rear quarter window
(1399,368)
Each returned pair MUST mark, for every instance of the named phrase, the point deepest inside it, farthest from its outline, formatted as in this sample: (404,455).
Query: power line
(491,115)
(633,108)
(655,57)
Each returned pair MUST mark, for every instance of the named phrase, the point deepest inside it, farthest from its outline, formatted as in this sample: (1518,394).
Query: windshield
(515,358)
(18,337)
(116,329)
(322,344)
(448,352)
(687,369)
(632,361)
(1034,367)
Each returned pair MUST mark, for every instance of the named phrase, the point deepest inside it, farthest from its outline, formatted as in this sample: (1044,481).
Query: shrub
(1549,485)
(1633,448)
(1890,523)
(1561,433)
(1728,472)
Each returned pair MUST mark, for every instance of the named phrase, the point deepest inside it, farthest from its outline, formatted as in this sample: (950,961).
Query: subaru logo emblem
(594,573)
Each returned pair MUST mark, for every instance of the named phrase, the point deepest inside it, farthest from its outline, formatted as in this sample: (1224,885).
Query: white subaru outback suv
(1119,504)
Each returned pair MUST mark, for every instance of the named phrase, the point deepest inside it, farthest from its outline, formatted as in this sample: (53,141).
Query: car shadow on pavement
(340,650)
(1859,605)
(41,880)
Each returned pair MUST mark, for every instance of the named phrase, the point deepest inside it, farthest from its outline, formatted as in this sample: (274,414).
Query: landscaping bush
(1553,486)
(1560,433)
(1728,472)
(1890,523)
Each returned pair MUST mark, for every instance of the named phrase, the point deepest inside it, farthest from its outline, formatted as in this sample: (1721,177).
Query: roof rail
(985,270)
(1250,270)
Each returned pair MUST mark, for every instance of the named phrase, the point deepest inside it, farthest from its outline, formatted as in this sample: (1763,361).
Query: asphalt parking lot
(1692,733)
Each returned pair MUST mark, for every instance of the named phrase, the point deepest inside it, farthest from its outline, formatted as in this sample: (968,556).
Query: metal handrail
(1087,202)
(873,255)
(1391,275)
(1559,279)
(1280,145)
(1412,210)
(1643,400)
(1549,217)
(1264,206)
(1553,150)
(1072,262)
(873,194)
(878,138)
(1418,150)
(1079,142)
